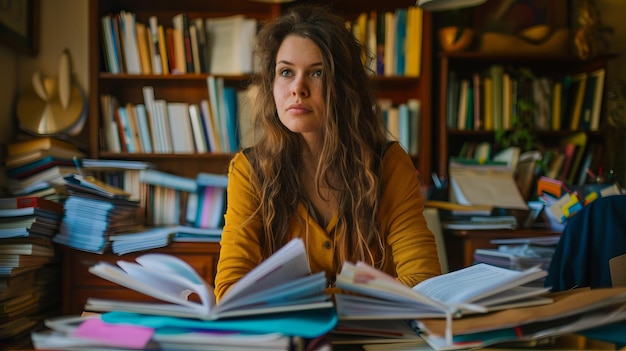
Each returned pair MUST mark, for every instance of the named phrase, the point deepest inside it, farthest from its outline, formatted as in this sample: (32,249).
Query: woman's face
(298,85)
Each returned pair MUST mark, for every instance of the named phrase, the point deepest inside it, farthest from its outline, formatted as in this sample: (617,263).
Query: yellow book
(414,41)
(143,46)
(41,143)
(557,90)
(179,44)
(165,64)
(488,102)
(577,89)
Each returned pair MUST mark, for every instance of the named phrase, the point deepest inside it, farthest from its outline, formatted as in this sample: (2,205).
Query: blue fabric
(591,237)
(589,240)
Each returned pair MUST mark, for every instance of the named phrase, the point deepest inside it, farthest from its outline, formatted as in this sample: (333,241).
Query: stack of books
(519,253)
(277,306)
(93,212)
(37,166)
(474,307)
(29,265)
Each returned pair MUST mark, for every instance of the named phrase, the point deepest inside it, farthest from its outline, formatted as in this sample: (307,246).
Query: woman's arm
(411,244)
(240,245)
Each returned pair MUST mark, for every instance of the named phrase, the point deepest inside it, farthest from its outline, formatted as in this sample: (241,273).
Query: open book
(281,283)
(474,289)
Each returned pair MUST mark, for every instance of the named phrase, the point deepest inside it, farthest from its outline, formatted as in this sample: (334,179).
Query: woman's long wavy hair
(352,137)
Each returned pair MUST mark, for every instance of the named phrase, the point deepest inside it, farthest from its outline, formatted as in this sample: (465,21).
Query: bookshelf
(451,137)
(191,88)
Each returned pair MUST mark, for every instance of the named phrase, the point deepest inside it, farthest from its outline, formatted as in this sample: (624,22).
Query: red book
(26,205)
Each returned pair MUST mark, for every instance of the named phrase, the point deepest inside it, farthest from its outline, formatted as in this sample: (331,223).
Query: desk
(460,244)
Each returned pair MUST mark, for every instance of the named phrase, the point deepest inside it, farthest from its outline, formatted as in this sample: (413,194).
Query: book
(231,42)
(470,290)
(36,155)
(38,144)
(598,78)
(28,204)
(575,99)
(572,311)
(480,223)
(281,283)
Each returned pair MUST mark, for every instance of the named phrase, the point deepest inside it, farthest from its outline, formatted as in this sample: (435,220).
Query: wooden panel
(79,284)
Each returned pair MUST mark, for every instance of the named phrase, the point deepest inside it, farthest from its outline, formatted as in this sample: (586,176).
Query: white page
(485,185)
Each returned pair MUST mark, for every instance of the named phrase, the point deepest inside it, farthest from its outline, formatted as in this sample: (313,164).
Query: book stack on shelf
(184,45)
(36,166)
(156,125)
(29,265)
(499,95)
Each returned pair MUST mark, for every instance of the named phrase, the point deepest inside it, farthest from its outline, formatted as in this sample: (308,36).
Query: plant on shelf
(523,123)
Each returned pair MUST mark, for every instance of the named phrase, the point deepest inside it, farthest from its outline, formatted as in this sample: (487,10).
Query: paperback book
(475,289)
(281,283)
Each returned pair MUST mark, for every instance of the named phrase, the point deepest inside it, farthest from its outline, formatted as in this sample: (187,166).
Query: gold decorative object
(557,43)
(56,105)
(455,39)
(588,38)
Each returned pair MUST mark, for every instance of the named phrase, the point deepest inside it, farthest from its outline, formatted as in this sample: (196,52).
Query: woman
(322,168)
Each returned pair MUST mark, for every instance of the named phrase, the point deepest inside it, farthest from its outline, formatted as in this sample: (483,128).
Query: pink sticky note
(122,335)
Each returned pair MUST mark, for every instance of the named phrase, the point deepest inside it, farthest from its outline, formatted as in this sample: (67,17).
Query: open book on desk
(475,289)
(281,283)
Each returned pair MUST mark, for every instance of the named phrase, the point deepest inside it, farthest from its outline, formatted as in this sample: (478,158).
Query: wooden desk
(460,244)
(79,284)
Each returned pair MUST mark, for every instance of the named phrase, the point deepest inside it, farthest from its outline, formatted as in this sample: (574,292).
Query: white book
(149,102)
(153,24)
(180,127)
(231,42)
(129,40)
(597,99)
(210,126)
(281,283)
(197,127)
(414,106)
(163,126)
(168,180)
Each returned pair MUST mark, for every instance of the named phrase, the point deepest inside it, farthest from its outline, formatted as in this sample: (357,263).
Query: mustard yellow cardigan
(411,248)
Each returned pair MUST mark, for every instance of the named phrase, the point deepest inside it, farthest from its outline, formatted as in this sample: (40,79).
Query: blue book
(38,166)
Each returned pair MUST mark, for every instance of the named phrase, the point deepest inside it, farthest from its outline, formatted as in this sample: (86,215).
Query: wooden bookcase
(192,87)
(464,64)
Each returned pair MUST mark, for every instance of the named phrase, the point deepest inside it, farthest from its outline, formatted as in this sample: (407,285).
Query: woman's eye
(285,72)
(317,73)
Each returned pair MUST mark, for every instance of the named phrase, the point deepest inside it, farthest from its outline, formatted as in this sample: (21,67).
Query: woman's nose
(299,87)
